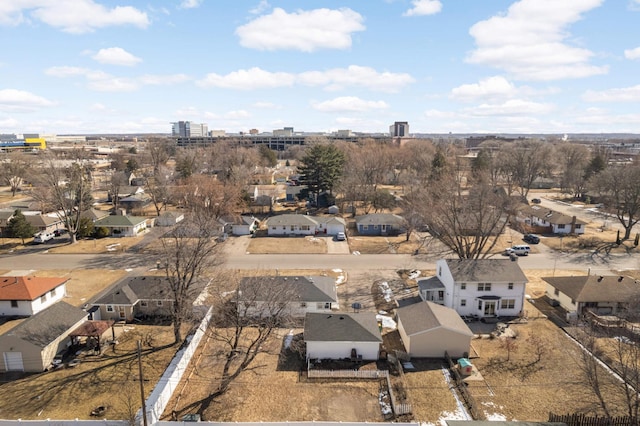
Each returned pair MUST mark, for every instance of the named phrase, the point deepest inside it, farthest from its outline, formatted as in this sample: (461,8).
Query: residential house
(479,287)
(550,221)
(94,214)
(292,296)
(25,296)
(428,330)
(141,296)
(601,295)
(136,201)
(380,224)
(43,222)
(123,226)
(239,225)
(169,218)
(293,192)
(300,224)
(31,345)
(342,335)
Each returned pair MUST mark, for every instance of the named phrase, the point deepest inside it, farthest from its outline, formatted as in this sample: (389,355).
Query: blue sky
(487,66)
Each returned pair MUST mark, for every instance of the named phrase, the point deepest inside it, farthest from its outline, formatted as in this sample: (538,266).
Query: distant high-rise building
(187,129)
(399,129)
(286,132)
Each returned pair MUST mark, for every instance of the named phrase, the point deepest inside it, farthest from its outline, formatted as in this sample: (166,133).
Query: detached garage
(342,335)
(428,330)
(32,344)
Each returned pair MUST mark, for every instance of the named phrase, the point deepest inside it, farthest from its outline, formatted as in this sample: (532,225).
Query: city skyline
(496,66)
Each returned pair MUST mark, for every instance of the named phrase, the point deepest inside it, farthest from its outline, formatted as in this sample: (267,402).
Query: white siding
(339,350)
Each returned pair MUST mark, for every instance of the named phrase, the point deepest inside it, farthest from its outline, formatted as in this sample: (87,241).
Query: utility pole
(144,406)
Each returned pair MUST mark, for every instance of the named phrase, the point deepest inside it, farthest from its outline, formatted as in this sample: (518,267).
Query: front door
(489,308)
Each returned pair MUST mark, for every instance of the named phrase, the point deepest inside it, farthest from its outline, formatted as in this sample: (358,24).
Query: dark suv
(531,239)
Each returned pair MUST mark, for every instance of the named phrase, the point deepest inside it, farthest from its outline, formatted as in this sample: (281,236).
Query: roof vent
(341,317)
(600,278)
(620,279)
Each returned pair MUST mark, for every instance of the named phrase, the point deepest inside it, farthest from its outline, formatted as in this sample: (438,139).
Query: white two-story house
(26,296)
(480,287)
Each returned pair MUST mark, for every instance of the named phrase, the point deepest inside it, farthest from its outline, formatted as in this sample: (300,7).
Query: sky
(459,66)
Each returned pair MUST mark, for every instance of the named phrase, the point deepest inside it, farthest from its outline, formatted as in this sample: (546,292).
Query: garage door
(13,361)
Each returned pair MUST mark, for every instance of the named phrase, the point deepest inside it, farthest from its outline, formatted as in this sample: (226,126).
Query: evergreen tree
(321,168)
(18,227)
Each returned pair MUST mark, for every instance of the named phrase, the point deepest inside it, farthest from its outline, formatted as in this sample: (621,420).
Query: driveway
(337,247)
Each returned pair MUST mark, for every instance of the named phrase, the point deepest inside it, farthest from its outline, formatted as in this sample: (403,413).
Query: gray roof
(594,288)
(330,219)
(379,219)
(47,325)
(290,288)
(133,289)
(94,214)
(431,283)
(485,270)
(342,327)
(120,221)
(423,316)
(291,219)
(551,216)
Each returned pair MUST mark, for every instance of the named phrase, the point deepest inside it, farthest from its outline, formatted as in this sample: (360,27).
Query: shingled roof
(342,327)
(129,291)
(595,288)
(422,316)
(47,325)
(485,270)
(291,288)
(27,288)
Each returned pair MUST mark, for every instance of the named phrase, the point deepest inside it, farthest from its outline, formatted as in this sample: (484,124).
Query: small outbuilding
(342,335)
(428,330)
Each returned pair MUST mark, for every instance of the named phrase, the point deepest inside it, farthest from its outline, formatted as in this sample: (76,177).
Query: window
(109,308)
(143,303)
(463,286)
(463,302)
(159,302)
(14,303)
(441,295)
(53,293)
(440,271)
(578,226)
(510,286)
(561,226)
(484,286)
(556,292)
(507,303)
(43,298)
(479,305)
(304,227)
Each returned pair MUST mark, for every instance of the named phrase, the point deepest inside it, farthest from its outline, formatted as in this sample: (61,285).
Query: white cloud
(116,56)
(492,87)
(72,16)
(354,75)
(253,78)
(624,94)
(510,108)
(302,30)
(424,7)
(260,7)
(349,104)
(190,4)
(103,82)
(632,53)
(22,101)
(236,115)
(266,105)
(529,40)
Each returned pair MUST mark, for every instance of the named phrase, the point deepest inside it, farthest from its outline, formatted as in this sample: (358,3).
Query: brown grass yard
(287,245)
(381,245)
(110,380)
(103,245)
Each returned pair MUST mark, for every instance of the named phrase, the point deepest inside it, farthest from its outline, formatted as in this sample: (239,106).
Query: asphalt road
(235,260)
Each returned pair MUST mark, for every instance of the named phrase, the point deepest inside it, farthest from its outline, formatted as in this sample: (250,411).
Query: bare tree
(65,189)
(573,160)
(158,152)
(208,196)
(188,251)
(118,181)
(524,162)
(590,366)
(156,186)
(619,189)
(14,171)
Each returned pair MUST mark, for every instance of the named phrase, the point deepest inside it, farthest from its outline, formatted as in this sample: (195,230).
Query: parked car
(42,237)
(531,238)
(535,200)
(508,252)
(59,232)
(521,250)
(340,236)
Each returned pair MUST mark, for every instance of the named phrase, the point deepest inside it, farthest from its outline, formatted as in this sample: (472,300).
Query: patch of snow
(340,280)
(227,293)
(383,399)
(288,339)
(623,339)
(356,253)
(495,417)
(387,322)
(461,413)
(414,274)
(383,312)
(386,291)
(336,270)
(128,269)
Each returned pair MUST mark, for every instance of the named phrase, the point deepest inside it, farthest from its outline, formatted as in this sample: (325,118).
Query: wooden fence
(347,374)
(584,420)
(462,388)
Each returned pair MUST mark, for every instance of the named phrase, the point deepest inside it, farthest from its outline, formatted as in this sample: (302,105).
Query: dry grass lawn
(109,380)
(103,245)
(383,245)
(287,245)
